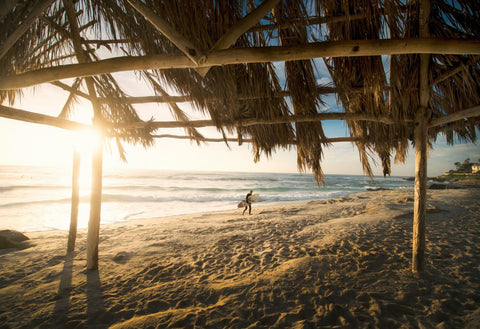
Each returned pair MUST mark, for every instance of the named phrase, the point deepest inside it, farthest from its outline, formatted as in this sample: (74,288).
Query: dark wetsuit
(248,204)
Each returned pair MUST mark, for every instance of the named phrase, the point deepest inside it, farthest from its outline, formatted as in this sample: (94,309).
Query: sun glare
(85,142)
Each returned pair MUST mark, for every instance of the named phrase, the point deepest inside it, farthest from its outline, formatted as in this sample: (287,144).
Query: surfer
(248,203)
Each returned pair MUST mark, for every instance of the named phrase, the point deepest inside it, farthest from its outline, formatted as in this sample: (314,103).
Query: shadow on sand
(63,316)
(62,304)
(96,315)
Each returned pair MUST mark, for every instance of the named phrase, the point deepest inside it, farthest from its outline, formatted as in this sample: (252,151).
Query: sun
(84,143)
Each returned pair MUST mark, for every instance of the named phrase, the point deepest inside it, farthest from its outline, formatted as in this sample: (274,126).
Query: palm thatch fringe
(185,45)
(36,11)
(240,28)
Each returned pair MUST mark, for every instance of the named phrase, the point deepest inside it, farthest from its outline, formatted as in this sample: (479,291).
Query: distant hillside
(458,178)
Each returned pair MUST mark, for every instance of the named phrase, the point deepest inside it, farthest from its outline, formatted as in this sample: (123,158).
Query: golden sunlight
(85,142)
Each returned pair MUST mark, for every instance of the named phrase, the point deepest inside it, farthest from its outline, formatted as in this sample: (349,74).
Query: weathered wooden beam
(460,115)
(454,70)
(185,45)
(21,115)
(89,24)
(37,10)
(249,140)
(183,98)
(70,89)
(32,117)
(17,114)
(213,140)
(244,55)
(252,122)
(240,28)
(180,99)
(105,41)
(317,117)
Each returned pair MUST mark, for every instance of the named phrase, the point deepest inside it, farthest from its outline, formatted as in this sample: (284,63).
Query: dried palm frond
(301,83)
(365,73)
(71,101)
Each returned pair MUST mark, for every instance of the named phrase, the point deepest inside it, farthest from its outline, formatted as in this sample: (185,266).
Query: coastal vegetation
(466,167)
(465,173)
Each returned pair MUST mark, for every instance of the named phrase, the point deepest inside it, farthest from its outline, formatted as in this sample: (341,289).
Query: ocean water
(38,198)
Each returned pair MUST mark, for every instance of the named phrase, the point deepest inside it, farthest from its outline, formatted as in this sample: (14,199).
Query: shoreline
(257,205)
(40,201)
(341,262)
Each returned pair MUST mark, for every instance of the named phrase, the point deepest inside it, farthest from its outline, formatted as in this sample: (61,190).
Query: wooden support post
(95,207)
(420,197)
(97,158)
(420,139)
(72,233)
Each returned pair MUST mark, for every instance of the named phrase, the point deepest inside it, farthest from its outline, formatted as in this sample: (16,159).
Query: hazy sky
(33,144)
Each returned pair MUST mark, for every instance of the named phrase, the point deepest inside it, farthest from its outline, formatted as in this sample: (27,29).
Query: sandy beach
(339,263)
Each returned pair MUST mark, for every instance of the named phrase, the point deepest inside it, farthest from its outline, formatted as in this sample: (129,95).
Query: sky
(25,143)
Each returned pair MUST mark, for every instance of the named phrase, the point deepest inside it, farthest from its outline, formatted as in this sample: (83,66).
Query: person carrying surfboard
(248,203)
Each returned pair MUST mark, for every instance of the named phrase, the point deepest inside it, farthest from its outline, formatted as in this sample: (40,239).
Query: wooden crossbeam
(245,55)
(32,117)
(249,140)
(454,70)
(183,98)
(70,89)
(460,115)
(21,115)
(253,121)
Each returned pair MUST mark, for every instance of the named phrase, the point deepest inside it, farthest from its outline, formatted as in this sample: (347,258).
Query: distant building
(475,168)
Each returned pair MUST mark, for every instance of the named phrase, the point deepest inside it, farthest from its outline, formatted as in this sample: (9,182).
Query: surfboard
(243,203)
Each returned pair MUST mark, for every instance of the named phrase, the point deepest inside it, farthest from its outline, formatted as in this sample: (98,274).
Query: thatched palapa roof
(392,63)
